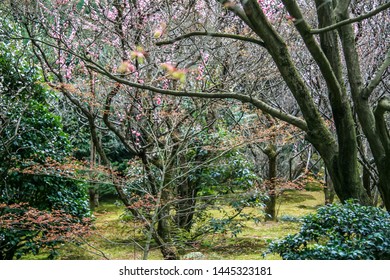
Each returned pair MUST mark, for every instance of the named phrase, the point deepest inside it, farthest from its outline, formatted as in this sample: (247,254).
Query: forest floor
(116,237)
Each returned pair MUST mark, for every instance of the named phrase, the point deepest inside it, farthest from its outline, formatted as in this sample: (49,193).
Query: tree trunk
(93,192)
(93,197)
(185,208)
(371,121)
(270,208)
(344,169)
(164,230)
(329,189)
(384,182)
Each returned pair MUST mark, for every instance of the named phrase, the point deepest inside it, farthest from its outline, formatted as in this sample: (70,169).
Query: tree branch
(351,20)
(298,122)
(212,34)
(377,77)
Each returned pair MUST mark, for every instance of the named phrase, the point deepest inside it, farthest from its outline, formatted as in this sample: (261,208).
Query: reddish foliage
(53,226)
(146,203)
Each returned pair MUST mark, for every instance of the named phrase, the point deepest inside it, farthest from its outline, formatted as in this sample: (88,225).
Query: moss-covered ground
(116,237)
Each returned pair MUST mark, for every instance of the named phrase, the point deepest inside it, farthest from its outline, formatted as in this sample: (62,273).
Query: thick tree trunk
(371,121)
(384,181)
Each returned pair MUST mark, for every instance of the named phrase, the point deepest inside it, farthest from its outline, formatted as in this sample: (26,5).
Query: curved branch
(212,34)
(351,20)
(298,122)
(377,77)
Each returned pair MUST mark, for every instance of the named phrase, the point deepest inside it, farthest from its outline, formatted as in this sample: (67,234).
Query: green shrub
(339,232)
(31,135)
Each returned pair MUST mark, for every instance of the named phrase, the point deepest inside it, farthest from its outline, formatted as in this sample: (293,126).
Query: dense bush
(30,136)
(339,232)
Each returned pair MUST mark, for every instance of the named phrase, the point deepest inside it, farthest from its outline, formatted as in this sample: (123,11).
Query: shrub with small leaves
(339,232)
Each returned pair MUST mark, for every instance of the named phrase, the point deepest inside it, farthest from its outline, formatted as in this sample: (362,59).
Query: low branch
(298,122)
(351,20)
(211,34)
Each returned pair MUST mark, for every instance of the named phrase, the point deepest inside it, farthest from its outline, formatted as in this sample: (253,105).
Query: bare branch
(212,34)
(351,20)
(377,77)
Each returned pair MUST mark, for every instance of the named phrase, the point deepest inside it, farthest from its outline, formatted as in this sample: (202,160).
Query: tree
(337,144)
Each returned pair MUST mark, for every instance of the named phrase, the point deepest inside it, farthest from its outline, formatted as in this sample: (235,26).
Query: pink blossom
(112,14)
(165,84)
(62,2)
(131,68)
(68,74)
